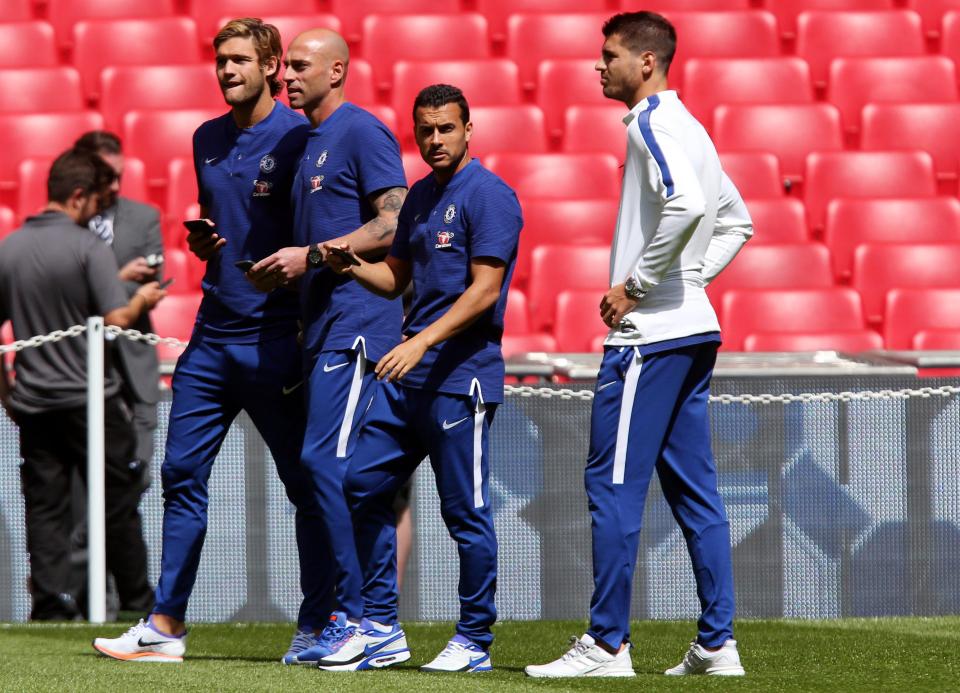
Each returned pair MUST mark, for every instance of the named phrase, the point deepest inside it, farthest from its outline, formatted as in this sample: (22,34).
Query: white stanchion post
(96,475)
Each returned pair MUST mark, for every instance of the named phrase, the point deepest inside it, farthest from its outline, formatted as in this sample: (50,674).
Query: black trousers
(53,445)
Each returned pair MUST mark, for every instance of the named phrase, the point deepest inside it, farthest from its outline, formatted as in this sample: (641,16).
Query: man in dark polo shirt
(54,273)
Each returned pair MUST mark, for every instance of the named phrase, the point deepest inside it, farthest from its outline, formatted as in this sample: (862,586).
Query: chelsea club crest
(322,159)
(268,163)
(450,214)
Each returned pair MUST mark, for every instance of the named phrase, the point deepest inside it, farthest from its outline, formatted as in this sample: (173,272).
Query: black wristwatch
(632,289)
(314,256)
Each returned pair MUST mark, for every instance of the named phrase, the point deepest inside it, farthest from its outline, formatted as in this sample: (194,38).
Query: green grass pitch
(896,654)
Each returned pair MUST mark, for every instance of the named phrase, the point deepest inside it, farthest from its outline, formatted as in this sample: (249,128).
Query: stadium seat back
(911,311)
(878,268)
(157,137)
(175,316)
(787,11)
(498,12)
(17,10)
(864,174)
(852,222)
(27,44)
(39,135)
(855,82)
(414,167)
(353,12)
(756,174)
(516,344)
(567,82)
(534,37)
(931,127)
(64,14)
(388,39)
(516,318)
(8,221)
(709,82)
(209,14)
(784,266)
(778,220)
(932,12)
(578,321)
(102,42)
(823,36)
(507,129)
(560,176)
(841,340)
(595,128)
(555,268)
(937,340)
(788,131)
(950,36)
(158,87)
(181,192)
(751,311)
(33,89)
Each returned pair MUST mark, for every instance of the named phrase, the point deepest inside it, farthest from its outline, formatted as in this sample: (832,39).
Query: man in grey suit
(132,229)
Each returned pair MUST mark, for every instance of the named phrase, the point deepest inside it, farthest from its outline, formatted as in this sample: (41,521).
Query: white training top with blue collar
(681,221)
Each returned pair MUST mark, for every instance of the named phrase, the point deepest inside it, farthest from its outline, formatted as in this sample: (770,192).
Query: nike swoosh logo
(287,390)
(210,160)
(605,385)
(327,367)
(448,426)
(141,643)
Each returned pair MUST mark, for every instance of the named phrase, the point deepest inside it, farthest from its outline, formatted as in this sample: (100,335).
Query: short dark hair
(78,168)
(98,141)
(266,41)
(645,31)
(437,95)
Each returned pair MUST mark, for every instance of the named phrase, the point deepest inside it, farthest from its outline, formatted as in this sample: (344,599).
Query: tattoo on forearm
(380,228)
(388,205)
(392,200)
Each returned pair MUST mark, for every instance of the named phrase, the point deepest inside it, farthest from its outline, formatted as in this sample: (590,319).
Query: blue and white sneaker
(461,654)
(338,631)
(302,640)
(371,647)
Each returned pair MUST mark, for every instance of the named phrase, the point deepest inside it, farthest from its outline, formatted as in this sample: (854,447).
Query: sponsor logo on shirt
(268,163)
(316,183)
(450,214)
(322,159)
(444,239)
(262,188)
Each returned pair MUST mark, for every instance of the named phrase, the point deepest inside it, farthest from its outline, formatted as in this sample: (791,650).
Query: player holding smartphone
(243,353)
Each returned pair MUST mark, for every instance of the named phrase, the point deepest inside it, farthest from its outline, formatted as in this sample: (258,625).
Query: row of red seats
(531,38)
(765,320)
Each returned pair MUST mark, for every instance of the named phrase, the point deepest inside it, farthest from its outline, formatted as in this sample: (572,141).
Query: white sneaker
(368,648)
(723,662)
(585,658)
(143,643)
(460,654)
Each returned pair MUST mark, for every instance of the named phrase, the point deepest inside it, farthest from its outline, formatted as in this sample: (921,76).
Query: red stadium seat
(384,114)
(17,10)
(864,174)
(563,83)
(756,174)
(790,132)
(937,340)
(850,223)
(557,268)
(578,321)
(855,82)
(175,316)
(353,12)
(415,167)
(497,12)
(178,265)
(912,311)
(39,135)
(748,311)
(6,337)
(709,82)
(102,42)
(292,25)
(359,88)
(662,6)
(388,39)
(842,340)
(8,221)
(950,36)
(514,345)
(28,90)
(931,13)
(64,14)
(488,82)
(516,319)
(794,266)
(181,195)
(746,34)
(157,137)
(157,87)
(561,176)
(532,38)
(787,11)
(209,13)
(564,222)
(878,268)
(507,129)
(823,36)
(931,127)
(595,128)
(778,220)
(27,44)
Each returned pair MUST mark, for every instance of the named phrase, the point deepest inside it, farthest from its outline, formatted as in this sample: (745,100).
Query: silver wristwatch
(632,289)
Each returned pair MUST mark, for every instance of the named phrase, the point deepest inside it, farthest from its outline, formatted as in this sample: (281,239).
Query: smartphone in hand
(166,282)
(204,226)
(244,265)
(344,255)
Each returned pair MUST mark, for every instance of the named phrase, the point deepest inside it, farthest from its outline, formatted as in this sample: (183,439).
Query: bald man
(348,188)
(243,353)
